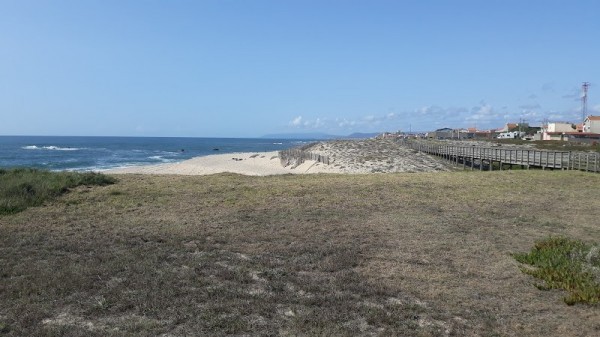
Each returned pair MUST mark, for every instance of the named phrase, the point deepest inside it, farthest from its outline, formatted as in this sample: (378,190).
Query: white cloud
(482,115)
(318,123)
(300,122)
(296,121)
(344,123)
(369,118)
(557,117)
(531,116)
(486,114)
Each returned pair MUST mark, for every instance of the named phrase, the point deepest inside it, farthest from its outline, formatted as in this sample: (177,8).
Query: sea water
(102,153)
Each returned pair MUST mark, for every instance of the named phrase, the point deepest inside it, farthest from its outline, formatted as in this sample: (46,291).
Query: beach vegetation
(25,187)
(564,263)
(421,254)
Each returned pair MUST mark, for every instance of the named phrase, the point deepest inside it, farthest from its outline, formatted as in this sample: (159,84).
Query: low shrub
(24,187)
(563,263)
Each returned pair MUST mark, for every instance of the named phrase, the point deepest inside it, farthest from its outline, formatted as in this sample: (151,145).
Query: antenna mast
(584,88)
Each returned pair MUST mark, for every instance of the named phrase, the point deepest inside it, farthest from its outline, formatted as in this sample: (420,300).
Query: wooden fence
(297,156)
(490,157)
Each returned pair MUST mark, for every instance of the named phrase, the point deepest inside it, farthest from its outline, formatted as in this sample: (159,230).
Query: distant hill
(360,135)
(318,136)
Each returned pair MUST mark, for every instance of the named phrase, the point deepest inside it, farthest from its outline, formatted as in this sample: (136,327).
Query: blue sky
(247,68)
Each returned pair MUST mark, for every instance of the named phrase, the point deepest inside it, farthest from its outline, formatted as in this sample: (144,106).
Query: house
(554,135)
(514,127)
(443,133)
(508,127)
(558,131)
(489,134)
(591,124)
(560,127)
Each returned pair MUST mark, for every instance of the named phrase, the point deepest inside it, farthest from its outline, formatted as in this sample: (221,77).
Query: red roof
(594,118)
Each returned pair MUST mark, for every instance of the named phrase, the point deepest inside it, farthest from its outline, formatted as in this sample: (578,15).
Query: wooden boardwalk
(488,158)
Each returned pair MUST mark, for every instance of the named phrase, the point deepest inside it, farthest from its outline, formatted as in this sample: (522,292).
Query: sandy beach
(346,156)
(246,163)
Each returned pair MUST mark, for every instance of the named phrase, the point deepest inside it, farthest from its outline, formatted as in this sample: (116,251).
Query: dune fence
(296,156)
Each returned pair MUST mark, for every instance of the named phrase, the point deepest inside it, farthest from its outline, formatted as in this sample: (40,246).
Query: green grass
(567,264)
(24,187)
(420,254)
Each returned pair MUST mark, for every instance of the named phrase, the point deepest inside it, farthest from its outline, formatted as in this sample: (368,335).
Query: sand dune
(346,156)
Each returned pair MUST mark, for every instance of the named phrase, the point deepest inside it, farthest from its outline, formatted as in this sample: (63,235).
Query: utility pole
(584,88)
(521,122)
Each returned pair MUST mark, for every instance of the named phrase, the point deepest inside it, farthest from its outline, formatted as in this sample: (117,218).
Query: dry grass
(397,254)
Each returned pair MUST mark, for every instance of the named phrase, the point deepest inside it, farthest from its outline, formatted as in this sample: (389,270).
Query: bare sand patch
(346,156)
(246,163)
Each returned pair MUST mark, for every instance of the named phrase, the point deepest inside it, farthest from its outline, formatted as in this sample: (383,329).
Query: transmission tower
(584,89)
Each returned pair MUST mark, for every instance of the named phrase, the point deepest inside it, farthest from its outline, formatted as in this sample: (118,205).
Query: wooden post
(480,160)
(501,161)
(587,162)
(456,154)
(472,157)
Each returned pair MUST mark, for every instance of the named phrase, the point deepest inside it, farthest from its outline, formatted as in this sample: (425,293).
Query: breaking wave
(51,147)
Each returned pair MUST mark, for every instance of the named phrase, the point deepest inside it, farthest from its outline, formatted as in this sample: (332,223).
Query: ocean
(57,153)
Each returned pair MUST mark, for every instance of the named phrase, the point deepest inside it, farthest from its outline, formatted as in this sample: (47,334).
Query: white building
(560,127)
(592,124)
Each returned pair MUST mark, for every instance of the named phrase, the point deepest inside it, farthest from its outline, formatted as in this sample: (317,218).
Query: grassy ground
(423,254)
(23,187)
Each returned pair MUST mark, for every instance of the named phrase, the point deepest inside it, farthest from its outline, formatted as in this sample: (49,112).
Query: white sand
(247,163)
(346,156)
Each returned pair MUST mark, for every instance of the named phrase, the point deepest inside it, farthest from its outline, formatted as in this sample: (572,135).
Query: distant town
(586,132)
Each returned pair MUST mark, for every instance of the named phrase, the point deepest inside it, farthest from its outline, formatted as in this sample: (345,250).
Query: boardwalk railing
(297,156)
(488,157)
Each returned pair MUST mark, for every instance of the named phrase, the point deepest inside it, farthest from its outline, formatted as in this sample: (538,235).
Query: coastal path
(490,158)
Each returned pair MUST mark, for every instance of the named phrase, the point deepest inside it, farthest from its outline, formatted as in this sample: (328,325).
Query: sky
(248,68)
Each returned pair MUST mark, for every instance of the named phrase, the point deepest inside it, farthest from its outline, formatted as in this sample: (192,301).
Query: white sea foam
(51,147)
(164,160)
